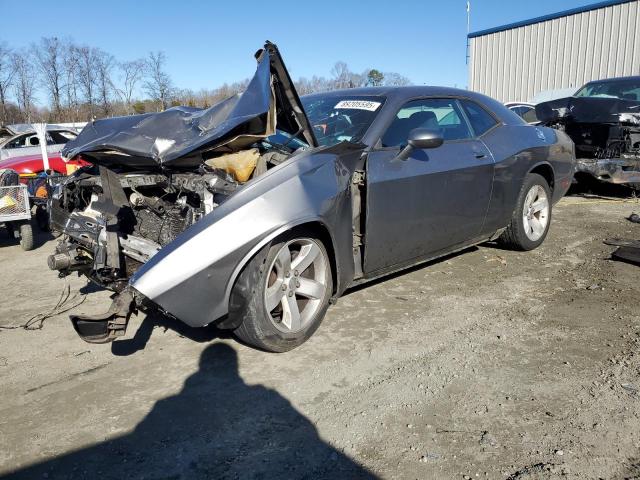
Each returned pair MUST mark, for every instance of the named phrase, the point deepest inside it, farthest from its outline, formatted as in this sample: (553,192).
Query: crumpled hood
(177,137)
(589,110)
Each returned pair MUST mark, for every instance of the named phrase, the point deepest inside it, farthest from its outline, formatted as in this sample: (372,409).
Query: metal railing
(14,203)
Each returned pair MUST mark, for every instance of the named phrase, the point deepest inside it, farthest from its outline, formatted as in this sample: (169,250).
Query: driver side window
(440,114)
(19,142)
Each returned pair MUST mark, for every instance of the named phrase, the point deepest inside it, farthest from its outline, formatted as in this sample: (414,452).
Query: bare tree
(7,71)
(158,85)
(341,75)
(104,63)
(395,79)
(316,84)
(319,84)
(87,76)
(24,85)
(71,62)
(49,55)
(81,83)
(131,74)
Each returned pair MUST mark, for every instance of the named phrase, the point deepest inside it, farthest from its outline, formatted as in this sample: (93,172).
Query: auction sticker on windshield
(358,105)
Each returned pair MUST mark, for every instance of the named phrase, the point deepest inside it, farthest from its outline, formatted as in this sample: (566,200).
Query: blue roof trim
(552,16)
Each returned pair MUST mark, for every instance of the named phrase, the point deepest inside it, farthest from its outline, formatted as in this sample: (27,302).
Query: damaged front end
(114,222)
(606,134)
(154,176)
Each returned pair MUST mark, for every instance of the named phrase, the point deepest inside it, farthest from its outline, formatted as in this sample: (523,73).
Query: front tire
(26,236)
(283,293)
(532,216)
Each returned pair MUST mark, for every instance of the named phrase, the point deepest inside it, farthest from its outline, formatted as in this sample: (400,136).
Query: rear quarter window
(61,137)
(530,116)
(481,121)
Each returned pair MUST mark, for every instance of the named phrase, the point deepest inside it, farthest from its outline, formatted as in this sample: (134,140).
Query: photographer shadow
(216,427)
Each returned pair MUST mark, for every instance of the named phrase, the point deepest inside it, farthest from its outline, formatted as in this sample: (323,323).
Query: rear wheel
(532,216)
(26,236)
(283,293)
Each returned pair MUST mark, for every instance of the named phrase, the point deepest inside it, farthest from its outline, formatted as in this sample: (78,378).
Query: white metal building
(516,61)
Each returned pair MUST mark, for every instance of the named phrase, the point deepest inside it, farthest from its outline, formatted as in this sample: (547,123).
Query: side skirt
(417,261)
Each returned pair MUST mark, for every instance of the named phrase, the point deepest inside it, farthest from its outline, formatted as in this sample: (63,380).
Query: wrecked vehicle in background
(21,139)
(30,166)
(256,212)
(525,110)
(603,120)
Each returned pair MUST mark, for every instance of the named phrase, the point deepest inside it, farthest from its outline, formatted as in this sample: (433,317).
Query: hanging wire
(65,303)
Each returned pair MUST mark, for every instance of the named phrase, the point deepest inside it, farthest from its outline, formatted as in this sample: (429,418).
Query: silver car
(256,213)
(21,139)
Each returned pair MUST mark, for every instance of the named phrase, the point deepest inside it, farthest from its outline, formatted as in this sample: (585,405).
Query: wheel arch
(545,170)
(314,225)
(324,235)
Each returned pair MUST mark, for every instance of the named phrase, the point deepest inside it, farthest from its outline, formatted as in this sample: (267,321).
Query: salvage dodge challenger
(257,213)
(603,120)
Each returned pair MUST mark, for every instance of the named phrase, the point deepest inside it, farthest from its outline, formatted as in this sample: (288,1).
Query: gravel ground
(486,364)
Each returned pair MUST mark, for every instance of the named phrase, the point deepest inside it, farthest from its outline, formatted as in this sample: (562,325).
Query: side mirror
(420,138)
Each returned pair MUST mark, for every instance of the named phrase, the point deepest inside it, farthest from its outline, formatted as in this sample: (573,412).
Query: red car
(31,165)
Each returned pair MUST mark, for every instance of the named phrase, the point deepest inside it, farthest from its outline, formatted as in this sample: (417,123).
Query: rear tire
(26,236)
(531,218)
(282,294)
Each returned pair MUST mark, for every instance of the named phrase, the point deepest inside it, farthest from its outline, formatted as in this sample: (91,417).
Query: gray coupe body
(434,203)
(374,210)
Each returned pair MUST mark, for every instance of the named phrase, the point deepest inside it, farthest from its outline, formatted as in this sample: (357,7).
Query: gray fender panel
(192,277)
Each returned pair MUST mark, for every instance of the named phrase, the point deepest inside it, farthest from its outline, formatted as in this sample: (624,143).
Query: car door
(436,199)
(27,144)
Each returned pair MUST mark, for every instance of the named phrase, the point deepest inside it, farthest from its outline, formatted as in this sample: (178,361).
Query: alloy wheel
(296,284)
(535,213)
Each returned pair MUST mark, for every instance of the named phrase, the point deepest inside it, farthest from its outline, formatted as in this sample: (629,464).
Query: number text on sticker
(359,105)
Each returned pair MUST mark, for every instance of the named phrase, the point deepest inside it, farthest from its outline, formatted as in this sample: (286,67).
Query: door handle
(479,155)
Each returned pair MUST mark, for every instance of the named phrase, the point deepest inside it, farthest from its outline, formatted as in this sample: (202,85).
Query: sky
(208,43)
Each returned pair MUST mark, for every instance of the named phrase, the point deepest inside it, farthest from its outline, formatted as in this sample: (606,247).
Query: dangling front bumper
(106,327)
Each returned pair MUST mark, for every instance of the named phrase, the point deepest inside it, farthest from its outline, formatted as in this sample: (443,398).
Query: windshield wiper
(286,144)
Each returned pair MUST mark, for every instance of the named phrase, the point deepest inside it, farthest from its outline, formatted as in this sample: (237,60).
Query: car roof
(398,95)
(22,128)
(518,104)
(392,91)
(614,79)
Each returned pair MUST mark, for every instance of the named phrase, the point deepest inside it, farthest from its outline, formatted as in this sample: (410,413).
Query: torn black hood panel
(176,137)
(587,109)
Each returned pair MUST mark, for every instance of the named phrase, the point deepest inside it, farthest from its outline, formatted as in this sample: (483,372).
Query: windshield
(338,118)
(625,89)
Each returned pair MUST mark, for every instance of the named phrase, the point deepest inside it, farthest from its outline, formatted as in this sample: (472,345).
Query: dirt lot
(488,364)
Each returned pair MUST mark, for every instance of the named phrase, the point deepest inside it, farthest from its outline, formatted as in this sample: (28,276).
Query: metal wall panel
(565,52)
